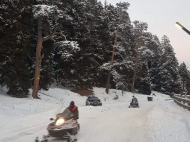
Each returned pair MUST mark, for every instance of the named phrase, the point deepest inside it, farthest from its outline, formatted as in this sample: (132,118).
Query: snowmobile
(64,127)
(134,104)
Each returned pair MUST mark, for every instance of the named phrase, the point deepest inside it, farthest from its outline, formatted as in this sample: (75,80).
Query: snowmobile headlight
(59,121)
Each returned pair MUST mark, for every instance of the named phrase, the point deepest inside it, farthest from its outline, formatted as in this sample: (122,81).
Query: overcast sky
(161,16)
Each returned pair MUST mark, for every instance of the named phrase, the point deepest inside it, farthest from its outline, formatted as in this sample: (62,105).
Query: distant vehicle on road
(94,101)
(134,103)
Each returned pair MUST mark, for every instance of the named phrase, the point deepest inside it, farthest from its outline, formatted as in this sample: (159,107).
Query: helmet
(72,103)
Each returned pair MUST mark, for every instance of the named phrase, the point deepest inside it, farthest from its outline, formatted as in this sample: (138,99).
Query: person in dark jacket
(134,102)
(74,110)
(134,99)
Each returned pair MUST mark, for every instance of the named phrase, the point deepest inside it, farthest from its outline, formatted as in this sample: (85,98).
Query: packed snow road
(158,121)
(161,121)
(116,123)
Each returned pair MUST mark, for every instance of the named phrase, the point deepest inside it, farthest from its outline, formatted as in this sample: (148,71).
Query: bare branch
(30,57)
(54,33)
(61,33)
(51,35)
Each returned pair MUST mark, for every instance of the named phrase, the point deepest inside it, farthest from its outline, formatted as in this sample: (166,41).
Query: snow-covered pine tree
(50,18)
(68,68)
(125,49)
(111,22)
(169,79)
(15,23)
(188,83)
(88,28)
(185,78)
(141,79)
(153,45)
(121,70)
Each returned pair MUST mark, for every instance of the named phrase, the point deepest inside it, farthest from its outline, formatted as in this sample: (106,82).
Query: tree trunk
(135,69)
(38,60)
(112,60)
(108,82)
(112,57)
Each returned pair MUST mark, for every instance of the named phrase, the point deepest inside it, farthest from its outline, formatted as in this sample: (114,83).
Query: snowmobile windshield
(67,114)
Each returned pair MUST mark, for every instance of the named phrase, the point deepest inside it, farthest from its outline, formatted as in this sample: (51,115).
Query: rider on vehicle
(134,99)
(74,110)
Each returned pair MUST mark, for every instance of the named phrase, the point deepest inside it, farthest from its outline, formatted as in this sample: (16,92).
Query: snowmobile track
(47,138)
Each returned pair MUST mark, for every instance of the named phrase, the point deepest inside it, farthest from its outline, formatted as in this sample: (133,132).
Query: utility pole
(113,53)
(136,62)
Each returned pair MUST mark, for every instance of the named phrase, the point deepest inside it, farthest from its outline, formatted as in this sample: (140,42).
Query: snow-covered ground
(159,121)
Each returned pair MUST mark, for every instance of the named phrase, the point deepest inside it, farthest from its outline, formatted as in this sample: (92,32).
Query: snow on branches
(67,48)
(123,5)
(46,10)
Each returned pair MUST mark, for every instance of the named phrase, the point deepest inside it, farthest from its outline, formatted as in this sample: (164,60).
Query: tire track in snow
(31,126)
(23,133)
(119,123)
